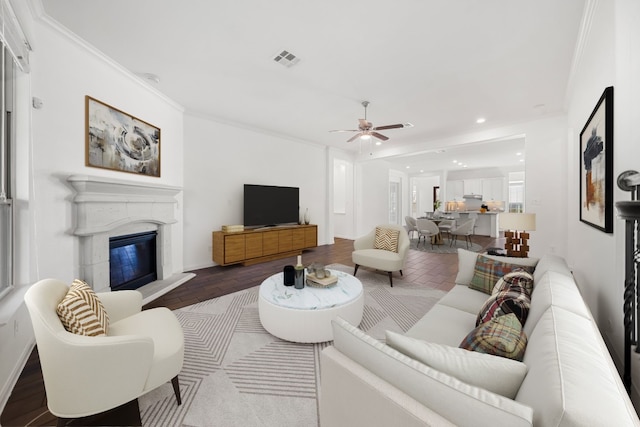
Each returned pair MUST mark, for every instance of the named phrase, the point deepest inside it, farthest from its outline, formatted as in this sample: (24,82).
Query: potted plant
(436,205)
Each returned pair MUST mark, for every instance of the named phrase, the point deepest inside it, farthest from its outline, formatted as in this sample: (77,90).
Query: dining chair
(427,228)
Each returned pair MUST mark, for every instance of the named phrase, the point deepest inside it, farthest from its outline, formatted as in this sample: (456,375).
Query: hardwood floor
(27,405)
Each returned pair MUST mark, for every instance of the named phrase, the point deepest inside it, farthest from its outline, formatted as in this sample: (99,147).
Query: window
(14,56)
(516,192)
(6,174)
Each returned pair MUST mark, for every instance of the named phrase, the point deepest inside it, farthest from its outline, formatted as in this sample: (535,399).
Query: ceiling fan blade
(345,130)
(396,126)
(354,137)
(379,136)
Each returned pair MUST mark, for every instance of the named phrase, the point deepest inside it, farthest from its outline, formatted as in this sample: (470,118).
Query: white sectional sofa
(567,375)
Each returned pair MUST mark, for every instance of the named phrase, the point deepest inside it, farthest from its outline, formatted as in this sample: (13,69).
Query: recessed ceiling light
(522,160)
(464,166)
(421,170)
(378,142)
(481,120)
(518,154)
(455,161)
(408,167)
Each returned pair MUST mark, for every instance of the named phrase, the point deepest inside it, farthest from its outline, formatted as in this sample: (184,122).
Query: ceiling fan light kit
(366,130)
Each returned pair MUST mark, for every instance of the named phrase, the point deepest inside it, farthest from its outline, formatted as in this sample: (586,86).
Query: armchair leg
(176,389)
(62,422)
(390,278)
(355,270)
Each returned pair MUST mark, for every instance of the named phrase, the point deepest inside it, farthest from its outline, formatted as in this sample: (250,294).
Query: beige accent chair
(446,225)
(427,229)
(364,253)
(86,375)
(465,229)
(412,225)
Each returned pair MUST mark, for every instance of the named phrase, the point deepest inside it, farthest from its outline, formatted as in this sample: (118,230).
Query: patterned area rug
(444,248)
(237,374)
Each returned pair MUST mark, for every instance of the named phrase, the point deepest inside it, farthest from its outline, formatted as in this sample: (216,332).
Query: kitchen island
(486,223)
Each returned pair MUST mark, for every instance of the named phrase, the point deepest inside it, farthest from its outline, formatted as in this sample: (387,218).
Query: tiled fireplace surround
(106,208)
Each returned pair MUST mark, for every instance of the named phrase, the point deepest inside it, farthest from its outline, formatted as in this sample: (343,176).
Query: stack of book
(313,281)
(232,228)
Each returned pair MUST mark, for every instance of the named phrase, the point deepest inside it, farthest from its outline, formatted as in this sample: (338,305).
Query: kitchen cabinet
(472,186)
(493,189)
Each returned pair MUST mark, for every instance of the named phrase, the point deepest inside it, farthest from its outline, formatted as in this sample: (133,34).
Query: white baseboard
(6,391)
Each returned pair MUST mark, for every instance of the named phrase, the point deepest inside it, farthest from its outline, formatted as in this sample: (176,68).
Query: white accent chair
(427,229)
(412,226)
(465,229)
(86,375)
(364,253)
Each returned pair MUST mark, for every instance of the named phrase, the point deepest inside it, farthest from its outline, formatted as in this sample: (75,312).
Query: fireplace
(132,260)
(106,209)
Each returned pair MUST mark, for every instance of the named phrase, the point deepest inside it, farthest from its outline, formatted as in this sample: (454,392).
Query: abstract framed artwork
(596,165)
(119,141)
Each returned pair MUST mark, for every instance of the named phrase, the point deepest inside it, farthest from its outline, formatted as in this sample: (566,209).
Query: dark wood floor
(27,405)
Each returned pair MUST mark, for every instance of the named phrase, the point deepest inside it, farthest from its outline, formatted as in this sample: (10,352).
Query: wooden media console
(262,244)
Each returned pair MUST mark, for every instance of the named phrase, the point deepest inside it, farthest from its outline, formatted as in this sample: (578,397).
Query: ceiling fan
(366,130)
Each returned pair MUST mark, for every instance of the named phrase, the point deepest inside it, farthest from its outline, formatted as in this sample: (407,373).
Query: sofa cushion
(497,374)
(555,289)
(467,263)
(550,262)
(572,380)
(386,239)
(501,336)
(515,300)
(81,311)
(442,393)
(443,325)
(463,298)
(488,271)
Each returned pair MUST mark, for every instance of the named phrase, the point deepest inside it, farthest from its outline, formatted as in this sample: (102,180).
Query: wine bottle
(298,280)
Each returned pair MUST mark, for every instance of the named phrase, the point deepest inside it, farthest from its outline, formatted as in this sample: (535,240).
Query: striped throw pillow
(81,312)
(386,239)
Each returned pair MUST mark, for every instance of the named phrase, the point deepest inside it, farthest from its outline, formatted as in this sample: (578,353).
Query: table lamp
(516,237)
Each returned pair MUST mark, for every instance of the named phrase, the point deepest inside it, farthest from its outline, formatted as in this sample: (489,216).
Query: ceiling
(437,64)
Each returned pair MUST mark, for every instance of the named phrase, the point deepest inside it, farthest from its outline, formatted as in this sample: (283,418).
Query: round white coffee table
(304,315)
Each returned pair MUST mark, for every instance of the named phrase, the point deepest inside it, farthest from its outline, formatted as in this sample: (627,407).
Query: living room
(211,160)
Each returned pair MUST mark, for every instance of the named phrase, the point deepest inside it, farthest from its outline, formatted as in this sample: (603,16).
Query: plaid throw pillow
(386,239)
(518,277)
(487,272)
(502,336)
(512,300)
(81,312)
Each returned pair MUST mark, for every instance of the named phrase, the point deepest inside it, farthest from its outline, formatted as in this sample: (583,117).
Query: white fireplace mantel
(106,207)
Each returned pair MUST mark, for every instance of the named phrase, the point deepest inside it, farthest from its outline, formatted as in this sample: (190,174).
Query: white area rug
(237,374)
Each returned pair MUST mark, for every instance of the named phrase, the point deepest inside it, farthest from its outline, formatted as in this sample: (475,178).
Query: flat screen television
(267,205)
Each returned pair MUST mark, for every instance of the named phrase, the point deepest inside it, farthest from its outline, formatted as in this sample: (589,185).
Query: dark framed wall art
(119,141)
(596,165)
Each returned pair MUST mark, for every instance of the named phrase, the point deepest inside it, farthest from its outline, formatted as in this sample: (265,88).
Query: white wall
(610,57)
(63,72)
(425,193)
(220,159)
(343,223)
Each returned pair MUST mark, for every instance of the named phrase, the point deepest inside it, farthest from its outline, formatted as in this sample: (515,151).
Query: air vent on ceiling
(286,58)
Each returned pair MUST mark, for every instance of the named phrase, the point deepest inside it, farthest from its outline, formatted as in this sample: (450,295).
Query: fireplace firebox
(132,260)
